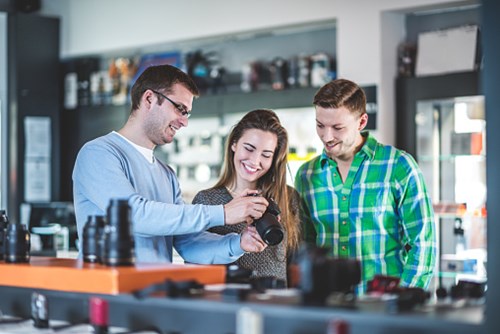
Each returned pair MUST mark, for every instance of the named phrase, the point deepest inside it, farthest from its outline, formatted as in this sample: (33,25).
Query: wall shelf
(234,53)
(210,105)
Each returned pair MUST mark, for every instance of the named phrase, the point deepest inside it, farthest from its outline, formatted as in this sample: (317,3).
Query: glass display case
(451,151)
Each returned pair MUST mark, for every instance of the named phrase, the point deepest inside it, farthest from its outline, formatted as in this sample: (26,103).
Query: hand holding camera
(261,212)
(245,208)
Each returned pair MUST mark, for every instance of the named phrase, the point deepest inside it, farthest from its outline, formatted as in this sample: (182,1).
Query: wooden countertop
(78,276)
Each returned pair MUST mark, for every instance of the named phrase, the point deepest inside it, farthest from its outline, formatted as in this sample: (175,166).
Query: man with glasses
(122,165)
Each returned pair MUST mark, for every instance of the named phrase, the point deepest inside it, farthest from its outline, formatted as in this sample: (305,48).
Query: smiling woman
(255,160)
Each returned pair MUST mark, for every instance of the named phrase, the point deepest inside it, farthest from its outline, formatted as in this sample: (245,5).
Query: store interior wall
(379,33)
(93,26)
(365,46)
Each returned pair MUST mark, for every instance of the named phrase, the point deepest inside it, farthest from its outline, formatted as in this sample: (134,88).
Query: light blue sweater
(110,167)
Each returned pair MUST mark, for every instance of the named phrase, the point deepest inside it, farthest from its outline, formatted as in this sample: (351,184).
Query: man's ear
(147,98)
(363,121)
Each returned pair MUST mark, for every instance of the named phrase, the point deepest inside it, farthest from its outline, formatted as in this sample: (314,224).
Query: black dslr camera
(322,276)
(268,226)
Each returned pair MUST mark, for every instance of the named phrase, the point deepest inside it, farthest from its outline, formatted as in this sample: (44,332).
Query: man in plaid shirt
(362,199)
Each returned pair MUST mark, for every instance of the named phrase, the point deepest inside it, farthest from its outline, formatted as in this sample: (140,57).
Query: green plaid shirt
(381,215)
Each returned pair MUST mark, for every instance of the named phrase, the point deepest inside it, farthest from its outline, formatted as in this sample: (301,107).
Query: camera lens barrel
(269,229)
(17,244)
(92,235)
(119,245)
(268,226)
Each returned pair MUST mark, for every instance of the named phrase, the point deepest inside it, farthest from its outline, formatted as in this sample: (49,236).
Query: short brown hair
(160,78)
(341,93)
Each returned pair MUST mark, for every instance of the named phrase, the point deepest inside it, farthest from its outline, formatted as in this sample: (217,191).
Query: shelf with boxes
(275,68)
(276,59)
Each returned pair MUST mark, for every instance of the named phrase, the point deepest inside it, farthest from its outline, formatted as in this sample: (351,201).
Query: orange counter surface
(78,276)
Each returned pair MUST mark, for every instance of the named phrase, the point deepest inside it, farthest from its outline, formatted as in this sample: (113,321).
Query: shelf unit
(33,94)
(411,90)
(210,105)
(427,121)
(87,122)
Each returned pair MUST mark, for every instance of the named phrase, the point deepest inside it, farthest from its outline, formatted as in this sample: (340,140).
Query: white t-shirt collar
(146,152)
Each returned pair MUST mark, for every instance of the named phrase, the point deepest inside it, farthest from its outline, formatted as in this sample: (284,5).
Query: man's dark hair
(341,93)
(160,78)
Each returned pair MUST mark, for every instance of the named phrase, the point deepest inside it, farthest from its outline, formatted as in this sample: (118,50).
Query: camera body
(268,226)
(322,275)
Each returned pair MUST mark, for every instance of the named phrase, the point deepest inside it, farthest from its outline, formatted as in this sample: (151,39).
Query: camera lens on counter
(17,243)
(4,221)
(119,245)
(92,232)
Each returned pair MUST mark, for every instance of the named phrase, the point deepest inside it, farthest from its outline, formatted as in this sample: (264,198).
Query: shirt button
(335,174)
(344,198)
(344,222)
(343,248)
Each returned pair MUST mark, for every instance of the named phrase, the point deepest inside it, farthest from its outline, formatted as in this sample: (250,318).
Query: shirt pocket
(370,199)
(373,208)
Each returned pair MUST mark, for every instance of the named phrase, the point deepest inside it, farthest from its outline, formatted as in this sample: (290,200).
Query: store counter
(74,275)
(194,299)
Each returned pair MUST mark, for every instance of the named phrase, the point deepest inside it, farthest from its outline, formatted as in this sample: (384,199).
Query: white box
(446,51)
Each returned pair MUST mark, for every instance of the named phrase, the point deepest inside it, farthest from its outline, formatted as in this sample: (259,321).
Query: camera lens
(92,232)
(118,239)
(269,229)
(268,226)
(17,244)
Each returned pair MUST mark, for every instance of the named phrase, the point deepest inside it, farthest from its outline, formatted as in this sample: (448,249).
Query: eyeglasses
(179,107)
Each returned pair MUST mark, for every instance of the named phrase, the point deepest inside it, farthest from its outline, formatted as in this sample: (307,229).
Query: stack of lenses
(119,245)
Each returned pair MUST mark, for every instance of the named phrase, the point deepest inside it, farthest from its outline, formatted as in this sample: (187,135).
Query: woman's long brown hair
(273,183)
